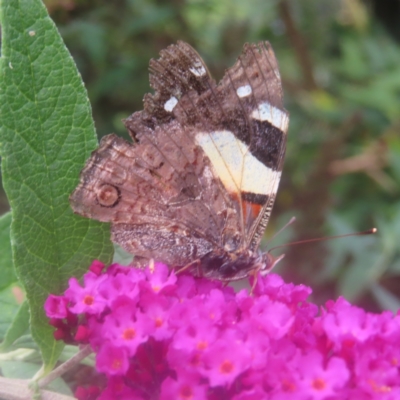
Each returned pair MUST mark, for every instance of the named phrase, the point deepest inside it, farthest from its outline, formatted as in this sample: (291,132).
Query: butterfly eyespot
(108,195)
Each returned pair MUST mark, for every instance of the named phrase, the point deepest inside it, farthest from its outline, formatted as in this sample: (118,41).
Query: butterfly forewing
(253,145)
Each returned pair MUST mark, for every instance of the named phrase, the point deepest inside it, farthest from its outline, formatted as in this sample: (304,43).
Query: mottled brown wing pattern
(134,188)
(186,186)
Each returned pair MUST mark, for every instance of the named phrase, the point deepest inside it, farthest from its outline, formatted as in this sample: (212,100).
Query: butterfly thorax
(227,266)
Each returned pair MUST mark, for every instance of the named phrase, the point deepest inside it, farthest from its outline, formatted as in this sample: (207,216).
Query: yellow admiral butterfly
(196,187)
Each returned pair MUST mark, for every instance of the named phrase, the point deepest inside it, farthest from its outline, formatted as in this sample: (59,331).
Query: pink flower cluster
(157,335)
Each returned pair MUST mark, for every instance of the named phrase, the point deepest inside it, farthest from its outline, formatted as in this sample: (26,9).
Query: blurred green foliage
(341,75)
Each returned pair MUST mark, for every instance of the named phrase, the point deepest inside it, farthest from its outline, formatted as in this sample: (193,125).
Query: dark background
(340,65)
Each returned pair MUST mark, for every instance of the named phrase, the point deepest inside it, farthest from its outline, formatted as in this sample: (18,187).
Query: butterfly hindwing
(121,185)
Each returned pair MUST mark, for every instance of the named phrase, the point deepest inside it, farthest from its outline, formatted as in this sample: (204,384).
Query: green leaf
(47,133)
(25,342)
(18,327)
(9,308)
(7,273)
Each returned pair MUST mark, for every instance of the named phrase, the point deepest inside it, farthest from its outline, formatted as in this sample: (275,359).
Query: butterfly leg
(264,269)
(195,263)
(254,276)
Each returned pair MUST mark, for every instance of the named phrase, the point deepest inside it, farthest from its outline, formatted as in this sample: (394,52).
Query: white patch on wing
(243,91)
(198,69)
(233,163)
(170,104)
(274,189)
(267,112)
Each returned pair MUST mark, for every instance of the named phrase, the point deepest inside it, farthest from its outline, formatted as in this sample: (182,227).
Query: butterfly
(196,186)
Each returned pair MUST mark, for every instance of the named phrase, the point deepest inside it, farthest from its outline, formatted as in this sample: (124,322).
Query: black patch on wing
(266,143)
(265,140)
(255,198)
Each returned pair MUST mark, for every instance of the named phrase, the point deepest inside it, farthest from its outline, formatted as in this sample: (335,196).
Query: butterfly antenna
(290,222)
(321,239)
